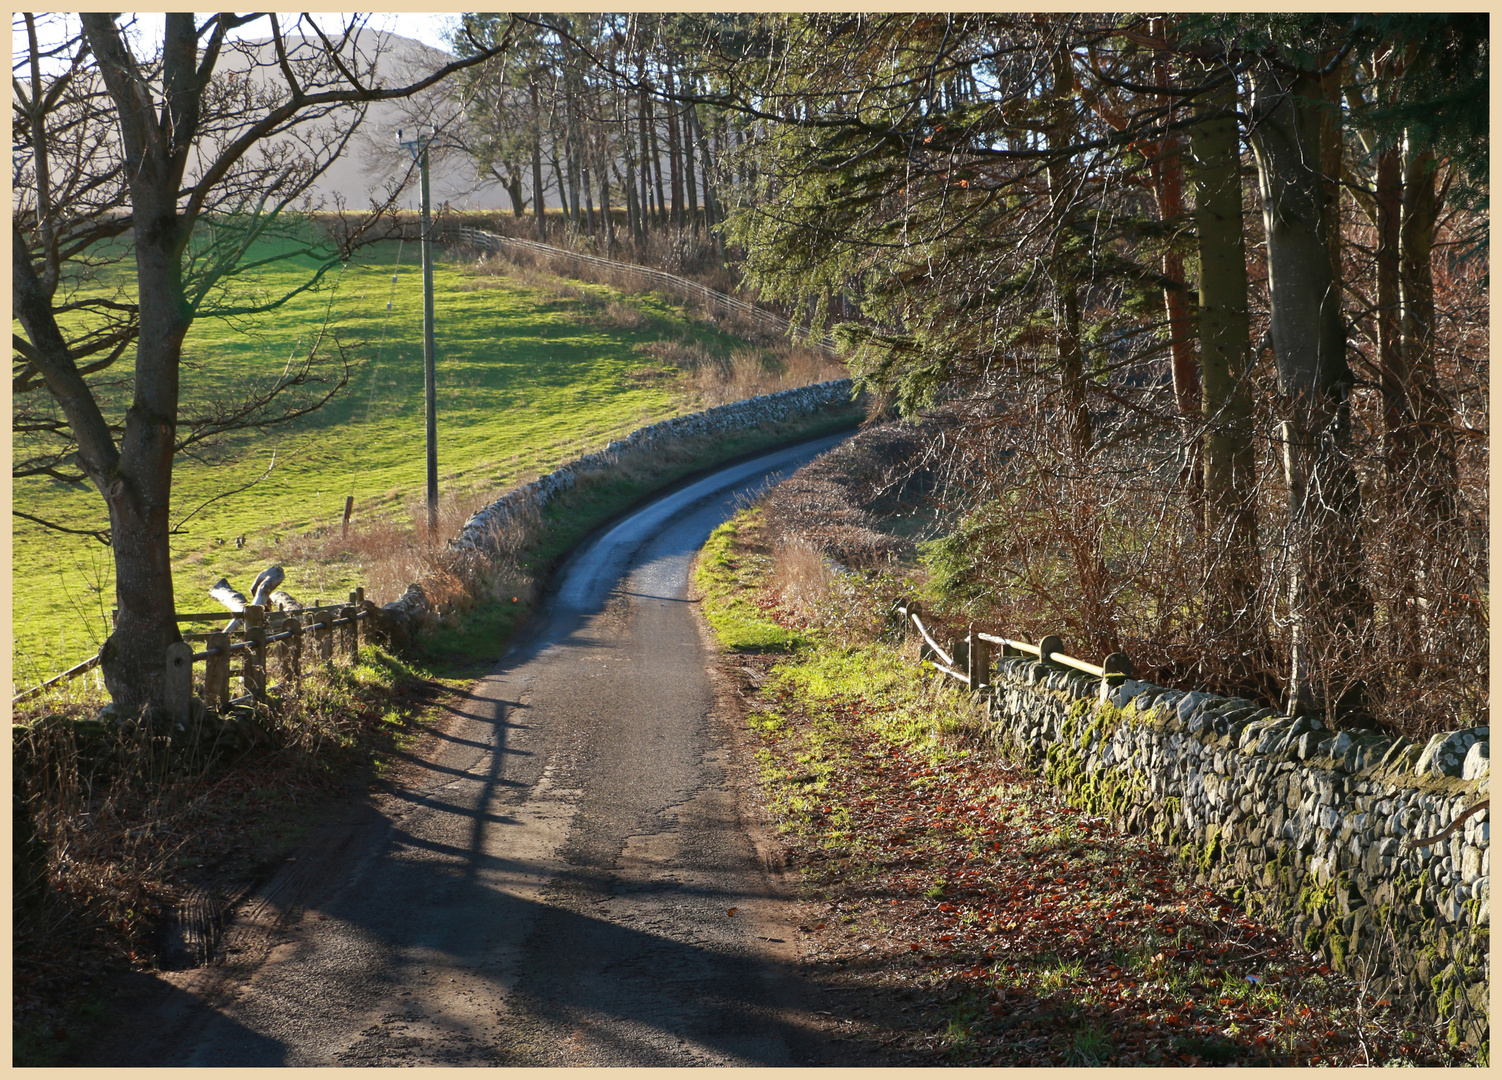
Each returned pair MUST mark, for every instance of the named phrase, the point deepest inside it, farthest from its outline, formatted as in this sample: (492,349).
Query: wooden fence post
(253,670)
(959,652)
(351,634)
(177,686)
(216,670)
(979,670)
(292,649)
(323,634)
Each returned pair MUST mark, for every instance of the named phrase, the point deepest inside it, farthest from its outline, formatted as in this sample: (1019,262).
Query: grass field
(528,376)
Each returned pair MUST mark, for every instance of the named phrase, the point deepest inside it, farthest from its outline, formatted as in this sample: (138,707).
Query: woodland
(1192,308)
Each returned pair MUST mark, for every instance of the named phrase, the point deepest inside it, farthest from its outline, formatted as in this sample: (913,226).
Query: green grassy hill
(528,376)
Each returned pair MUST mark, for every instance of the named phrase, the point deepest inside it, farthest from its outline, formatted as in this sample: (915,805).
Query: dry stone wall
(722,419)
(479,533)
(1305,827)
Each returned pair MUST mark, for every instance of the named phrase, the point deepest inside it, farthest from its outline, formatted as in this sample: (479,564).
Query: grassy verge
(990,922)
(476,631)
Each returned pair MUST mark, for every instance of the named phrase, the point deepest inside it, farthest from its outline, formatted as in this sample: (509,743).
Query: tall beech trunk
(633,210)
(1169,191)
(1329,608)
(1224,333)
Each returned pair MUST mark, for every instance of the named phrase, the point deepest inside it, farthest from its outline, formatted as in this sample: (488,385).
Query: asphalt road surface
(550,882)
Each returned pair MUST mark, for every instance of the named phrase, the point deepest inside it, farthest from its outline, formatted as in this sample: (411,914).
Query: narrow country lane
(549,883)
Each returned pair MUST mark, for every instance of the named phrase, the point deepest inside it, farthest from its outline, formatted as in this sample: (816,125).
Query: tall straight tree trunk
(1169,190)
(609,218)
(1426,453)
(1390,360)
(539,193)
(562,184)
(646,151)
(1061,193)
(571,170)
(656,158)
(710,218)
(1329,608)
(675,155)
(688,168)
(1224,333)
(589,199)
(633,211)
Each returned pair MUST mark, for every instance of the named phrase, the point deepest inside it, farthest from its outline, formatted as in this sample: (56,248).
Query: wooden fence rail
(330,628)
(968,659)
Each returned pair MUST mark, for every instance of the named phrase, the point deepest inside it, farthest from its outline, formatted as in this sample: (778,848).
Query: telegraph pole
(419,150)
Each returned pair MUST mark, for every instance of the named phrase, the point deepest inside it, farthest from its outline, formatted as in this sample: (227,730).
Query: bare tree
(177,164)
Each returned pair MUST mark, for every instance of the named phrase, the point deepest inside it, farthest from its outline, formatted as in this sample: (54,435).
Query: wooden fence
(321,633)
(968,659)
(717,301)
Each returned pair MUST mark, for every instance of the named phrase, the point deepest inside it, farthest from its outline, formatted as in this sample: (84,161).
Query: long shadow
(637,992)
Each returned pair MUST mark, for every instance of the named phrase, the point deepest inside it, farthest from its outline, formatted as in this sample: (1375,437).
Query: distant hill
(374,158)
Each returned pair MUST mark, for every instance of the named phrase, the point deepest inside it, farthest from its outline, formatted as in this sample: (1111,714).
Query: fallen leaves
(1050,937)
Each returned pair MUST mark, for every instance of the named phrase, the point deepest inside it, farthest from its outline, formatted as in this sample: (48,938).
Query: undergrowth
(1017,930)
(115,824)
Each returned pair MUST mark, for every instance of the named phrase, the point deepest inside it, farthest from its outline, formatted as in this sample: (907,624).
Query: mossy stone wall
(1304,827)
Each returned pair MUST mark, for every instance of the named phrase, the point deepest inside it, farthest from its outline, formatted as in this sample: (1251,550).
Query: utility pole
(418,147)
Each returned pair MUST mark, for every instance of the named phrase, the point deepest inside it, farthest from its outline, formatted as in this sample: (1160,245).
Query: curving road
(551,879)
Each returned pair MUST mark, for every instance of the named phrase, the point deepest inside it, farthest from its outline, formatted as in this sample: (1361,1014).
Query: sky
(430,28)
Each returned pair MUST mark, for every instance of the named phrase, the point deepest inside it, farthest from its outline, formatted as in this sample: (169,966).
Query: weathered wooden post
(253,669)
(216,670)
(323,635)
(959,652)
(979,670)
(177,684)
(351,633)
(293,649)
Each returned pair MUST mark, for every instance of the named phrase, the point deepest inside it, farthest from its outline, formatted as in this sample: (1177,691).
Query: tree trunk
(539,195)
(589,200)
(1224,333)
(138,490)
(646,168)
(609,221)
(1077,422)
(656,162)
(689,170)
(1393,371)
(633,211)
(1425,454)
(562,184)
(675,155)
(1169,190)
(1330,610)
